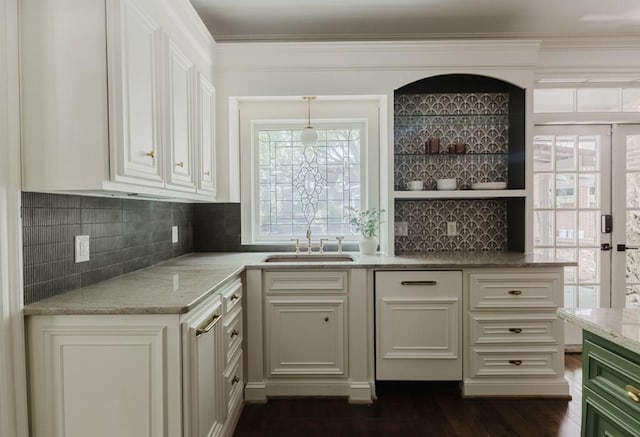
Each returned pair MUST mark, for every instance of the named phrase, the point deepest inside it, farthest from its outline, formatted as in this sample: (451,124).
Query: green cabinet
(610,372)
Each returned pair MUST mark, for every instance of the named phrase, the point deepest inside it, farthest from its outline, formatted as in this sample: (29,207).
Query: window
(287,198)
(284,185)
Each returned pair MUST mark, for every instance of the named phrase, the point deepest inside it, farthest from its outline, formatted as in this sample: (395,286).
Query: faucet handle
(297,240)
(322,240)
(339,243)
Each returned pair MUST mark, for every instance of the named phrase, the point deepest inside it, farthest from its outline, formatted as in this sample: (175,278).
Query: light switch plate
(174,234)
(82,248)
(401,229)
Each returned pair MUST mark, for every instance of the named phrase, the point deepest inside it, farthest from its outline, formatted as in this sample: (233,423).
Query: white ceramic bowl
(415,185)
(446,184)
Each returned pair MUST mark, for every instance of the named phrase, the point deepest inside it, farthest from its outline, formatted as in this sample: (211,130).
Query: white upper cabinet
(180,124)
(206,134)
(113,99)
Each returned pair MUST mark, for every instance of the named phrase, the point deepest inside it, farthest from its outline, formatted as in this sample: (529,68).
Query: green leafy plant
(366,222)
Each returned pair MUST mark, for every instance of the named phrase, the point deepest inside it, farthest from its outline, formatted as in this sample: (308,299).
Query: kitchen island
(610,369)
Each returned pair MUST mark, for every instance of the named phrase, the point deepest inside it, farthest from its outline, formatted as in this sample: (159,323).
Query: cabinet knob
(234,333)
(207,173)
(326,319)
(515,362)
(633,393)
(234,297)
(515,330)
(151,154)
(180,164)
(235,380)
(515,292)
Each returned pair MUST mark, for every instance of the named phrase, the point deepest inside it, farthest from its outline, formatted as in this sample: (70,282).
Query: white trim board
(13,384)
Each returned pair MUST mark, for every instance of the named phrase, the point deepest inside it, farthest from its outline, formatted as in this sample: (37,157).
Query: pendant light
(309,136)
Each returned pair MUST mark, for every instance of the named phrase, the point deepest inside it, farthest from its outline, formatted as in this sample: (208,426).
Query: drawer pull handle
(419,283)
(515,362)
(180,164)
(633,393)
(234,333)
(235,380)
(326,319)
(234,297)
(209,326)
(515,330)
(207,173)
(151,154)
(515,292)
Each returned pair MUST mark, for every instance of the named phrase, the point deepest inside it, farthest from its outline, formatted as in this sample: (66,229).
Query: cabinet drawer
(232,296)
(607,370)
(314,281)
(514,290)
(447,283)
(513,328)
(233,333)
(513,361)
(234,381)
(602,418)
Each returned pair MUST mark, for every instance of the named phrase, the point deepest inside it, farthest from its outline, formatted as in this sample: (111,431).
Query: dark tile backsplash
(481,225)
(125,235)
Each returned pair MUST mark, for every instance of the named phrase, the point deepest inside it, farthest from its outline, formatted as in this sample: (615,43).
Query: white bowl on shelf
(489,186)
(447,184)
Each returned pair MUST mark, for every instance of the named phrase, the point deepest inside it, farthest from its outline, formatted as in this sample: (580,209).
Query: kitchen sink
(308,257)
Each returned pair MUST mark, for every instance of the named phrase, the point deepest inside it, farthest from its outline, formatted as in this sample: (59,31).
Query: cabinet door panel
(306,336)
(206,132)
(133,53)
(180,123)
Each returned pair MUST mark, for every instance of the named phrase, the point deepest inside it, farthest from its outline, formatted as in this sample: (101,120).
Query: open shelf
(458,194)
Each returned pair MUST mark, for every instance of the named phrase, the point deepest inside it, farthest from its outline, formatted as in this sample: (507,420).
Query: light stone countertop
(178,285)
(619,326)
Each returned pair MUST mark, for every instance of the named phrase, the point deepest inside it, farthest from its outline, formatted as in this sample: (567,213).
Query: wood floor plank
(420,409)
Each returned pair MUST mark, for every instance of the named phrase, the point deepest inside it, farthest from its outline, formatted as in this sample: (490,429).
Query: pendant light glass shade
(309,136)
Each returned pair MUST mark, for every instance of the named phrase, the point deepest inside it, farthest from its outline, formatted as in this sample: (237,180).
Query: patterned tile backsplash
(479,120)
(125,235)
(481,225)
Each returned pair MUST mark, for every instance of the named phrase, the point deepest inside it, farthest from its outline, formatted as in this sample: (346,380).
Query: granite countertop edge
(153,290)
(606,323)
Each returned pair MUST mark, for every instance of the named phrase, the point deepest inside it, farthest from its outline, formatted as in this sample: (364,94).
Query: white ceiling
(322,20)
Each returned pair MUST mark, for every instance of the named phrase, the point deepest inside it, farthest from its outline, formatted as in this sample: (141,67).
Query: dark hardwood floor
(425,409)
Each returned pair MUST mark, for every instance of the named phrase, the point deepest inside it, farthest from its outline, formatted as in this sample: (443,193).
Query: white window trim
(261,111)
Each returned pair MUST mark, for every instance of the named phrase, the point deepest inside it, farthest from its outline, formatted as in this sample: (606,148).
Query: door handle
(623,247)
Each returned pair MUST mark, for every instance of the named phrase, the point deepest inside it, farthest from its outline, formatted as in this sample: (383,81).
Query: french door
(580,174)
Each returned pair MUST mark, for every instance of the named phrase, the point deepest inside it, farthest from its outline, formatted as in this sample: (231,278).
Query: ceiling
(349,20)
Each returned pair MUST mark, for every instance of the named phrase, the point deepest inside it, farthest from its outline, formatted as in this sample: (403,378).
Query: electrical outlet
(174,234)
(82,248)
(452,229)
(401,229)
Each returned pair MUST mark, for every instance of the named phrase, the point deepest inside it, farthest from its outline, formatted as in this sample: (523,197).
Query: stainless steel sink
(308,257)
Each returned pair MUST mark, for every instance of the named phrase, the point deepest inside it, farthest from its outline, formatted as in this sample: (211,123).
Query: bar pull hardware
(207,173)
(234,297)
(515,330)
(180,164)
(151,154)
(632,393)
(623,247)
(234,333)
(515,292)
(235,380)
(515,362)
(419,283)
(209,326)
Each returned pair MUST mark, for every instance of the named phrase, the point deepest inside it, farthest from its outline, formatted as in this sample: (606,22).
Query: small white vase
(368,245)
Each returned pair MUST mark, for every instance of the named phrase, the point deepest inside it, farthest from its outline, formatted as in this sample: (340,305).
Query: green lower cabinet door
(601,418)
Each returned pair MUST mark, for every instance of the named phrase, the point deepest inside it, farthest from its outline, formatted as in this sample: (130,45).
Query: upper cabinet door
(180,71)
(135,40)
(206,135)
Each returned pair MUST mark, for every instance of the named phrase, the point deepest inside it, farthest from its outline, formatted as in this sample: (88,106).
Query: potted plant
(366,223)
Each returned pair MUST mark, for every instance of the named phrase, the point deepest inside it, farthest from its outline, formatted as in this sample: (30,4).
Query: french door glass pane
(566,153)
(588,156)
(565,190)
(543,190)
(543,153)
(566,228)
(588,229)
(632,256)
(543,228)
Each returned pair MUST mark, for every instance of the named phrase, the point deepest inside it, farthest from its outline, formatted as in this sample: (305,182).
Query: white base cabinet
(137,375)
(418,325)
(514,343)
